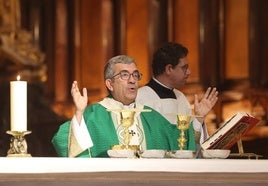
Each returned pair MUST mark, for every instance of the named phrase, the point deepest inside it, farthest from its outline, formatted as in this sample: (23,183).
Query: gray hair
(109,67)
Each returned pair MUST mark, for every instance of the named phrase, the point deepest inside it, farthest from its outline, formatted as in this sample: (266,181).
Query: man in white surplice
(170,72)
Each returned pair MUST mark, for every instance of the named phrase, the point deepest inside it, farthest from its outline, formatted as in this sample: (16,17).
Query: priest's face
(179,74)
(124,84)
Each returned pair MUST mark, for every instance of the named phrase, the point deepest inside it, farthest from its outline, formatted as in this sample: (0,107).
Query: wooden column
(236,40)
(119,27)
(186,30)
(61,42)
(93,44)
(211,34)
(158,30)
(209,42)
(258,44)
(137,35)
(107,36)
(77,50)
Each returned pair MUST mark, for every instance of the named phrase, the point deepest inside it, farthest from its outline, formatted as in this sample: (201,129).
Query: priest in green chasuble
(94,129)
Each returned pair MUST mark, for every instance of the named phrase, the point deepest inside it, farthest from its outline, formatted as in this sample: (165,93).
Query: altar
(123,171)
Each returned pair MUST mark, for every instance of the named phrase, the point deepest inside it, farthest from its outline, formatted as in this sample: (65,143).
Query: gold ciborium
(183,124)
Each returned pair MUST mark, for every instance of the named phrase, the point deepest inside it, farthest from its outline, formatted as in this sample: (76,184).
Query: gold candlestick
(18,144)
(183,124)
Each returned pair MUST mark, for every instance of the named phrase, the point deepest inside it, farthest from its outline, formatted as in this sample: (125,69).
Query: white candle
(18,105)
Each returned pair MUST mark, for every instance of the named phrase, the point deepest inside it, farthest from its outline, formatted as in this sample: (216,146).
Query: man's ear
(168,68)
(108,83)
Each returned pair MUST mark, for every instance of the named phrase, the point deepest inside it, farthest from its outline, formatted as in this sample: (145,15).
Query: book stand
(242,154)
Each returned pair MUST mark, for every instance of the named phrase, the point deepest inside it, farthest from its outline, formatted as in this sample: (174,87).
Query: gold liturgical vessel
(18,145)
(183,124)
(126,119)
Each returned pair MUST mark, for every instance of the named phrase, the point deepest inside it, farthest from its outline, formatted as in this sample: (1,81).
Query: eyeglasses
(184,67)
(125,75)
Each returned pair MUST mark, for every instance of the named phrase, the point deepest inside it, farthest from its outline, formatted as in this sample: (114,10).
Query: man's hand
(80,100)
(207,102)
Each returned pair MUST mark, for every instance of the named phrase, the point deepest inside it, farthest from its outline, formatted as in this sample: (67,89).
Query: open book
(230,132)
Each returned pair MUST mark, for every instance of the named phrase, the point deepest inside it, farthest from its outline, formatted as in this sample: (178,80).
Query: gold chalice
(183,124)
(127,119)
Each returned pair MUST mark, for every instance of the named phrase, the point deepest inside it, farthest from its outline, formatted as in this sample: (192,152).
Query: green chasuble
(159,133)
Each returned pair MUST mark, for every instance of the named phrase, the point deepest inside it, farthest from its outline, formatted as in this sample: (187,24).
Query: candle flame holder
(18,145)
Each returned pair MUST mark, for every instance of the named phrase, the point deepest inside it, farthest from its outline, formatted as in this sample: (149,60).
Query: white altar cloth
(68,165)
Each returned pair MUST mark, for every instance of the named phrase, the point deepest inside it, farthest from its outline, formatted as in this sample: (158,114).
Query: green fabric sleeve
(61,138)
(101,128)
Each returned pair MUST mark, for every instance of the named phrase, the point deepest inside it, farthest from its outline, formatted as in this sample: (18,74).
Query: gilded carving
(18,52)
